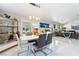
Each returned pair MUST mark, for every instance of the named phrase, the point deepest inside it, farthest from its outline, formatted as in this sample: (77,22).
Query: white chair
(23,46)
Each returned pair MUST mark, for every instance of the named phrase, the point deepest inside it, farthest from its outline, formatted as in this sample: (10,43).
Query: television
(44,25)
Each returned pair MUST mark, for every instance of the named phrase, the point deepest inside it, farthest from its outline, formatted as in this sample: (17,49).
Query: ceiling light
(34,18)
(30,17)
(34,4)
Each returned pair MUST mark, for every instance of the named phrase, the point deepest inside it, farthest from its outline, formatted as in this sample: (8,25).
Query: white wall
(68,26)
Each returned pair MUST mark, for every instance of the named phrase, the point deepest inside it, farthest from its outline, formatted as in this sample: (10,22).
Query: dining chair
(41,42)
(23,46)
(49,38)
(48,43)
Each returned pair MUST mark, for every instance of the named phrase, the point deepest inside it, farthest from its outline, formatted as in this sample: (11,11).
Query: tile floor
(60,47)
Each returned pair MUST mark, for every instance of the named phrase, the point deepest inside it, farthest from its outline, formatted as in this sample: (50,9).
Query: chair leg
(33,51)
(18,54)
(44,53)
(41,51)
(49,49)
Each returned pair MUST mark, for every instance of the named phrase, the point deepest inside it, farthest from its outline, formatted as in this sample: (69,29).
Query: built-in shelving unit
(8,25)
(7,28)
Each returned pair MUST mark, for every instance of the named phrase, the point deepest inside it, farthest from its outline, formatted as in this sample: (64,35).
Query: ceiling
(59,12)
(62,12)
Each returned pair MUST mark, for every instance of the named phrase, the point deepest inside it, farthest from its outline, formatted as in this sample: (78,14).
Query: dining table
(30,37)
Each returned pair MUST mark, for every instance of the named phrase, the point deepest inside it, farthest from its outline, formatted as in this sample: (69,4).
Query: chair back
(49,38)
(18,41)
(41,41)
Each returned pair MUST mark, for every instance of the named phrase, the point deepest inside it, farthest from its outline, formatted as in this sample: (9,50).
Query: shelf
(8,26)
(4,18)
(8,45)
